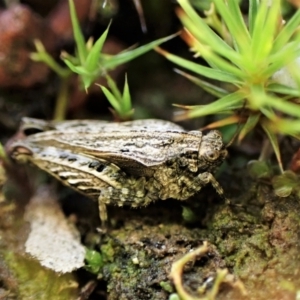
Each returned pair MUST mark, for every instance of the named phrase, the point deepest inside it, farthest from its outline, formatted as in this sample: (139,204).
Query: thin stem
(62,100)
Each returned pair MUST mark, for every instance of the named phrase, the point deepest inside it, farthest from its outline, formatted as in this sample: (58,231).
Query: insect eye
(212,155)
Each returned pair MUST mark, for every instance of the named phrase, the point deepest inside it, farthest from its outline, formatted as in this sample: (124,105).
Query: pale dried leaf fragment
(52,239)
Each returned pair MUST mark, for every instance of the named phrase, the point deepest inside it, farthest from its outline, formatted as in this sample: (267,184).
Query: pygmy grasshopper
(130,163)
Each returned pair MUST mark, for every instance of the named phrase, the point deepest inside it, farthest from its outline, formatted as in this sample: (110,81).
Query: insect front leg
(206,178)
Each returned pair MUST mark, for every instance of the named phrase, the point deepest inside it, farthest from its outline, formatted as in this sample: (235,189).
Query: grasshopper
(131,163)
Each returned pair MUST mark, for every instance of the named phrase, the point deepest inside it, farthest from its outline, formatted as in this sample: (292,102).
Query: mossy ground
(256,238)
